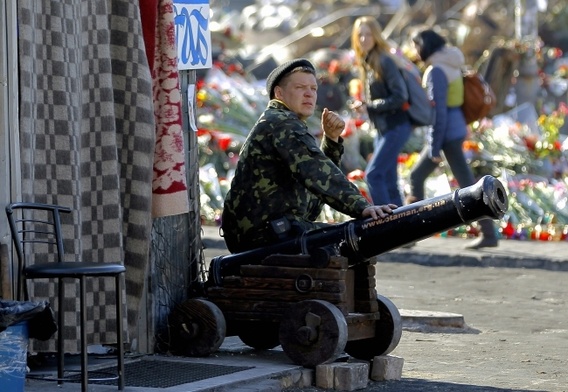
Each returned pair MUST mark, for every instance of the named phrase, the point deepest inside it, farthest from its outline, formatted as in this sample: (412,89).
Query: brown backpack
(478,97)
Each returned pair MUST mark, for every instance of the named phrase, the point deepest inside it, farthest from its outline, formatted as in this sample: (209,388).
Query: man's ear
(277,90)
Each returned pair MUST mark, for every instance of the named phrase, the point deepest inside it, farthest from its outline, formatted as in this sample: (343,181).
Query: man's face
(299,93)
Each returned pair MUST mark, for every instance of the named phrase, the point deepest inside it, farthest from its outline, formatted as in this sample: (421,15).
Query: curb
(449,252)
(464,260)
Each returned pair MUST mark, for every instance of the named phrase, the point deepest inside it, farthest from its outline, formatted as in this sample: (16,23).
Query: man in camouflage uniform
(283,177)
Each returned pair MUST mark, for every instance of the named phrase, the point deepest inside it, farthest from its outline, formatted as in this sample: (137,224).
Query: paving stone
(342,376)
(324,375)
(387,367)
(301,378)
(351,376)
(421,318)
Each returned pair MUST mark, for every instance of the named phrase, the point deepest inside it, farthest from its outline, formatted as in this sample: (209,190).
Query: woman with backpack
(443,79)
(385,97)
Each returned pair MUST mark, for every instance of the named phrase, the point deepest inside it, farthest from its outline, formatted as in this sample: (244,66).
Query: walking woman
(385,98)
(443,78)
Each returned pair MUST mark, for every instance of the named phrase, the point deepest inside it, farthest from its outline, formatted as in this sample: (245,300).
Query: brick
(387,367)
(301,378)
(342,376)
(351,376)
(324,375)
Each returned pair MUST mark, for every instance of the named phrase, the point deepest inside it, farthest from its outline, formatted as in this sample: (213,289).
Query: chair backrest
(35,223)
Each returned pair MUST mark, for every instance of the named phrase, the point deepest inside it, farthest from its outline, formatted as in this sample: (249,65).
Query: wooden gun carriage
(318,304)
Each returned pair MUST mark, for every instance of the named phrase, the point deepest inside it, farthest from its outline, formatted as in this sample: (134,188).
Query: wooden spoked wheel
(260,335)
(197,328)
(388,331)
(313,332)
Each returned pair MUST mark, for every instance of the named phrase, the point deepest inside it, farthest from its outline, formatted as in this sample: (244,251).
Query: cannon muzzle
(365,238)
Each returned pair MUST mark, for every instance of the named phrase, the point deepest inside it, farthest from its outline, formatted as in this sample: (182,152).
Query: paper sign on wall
(193,37)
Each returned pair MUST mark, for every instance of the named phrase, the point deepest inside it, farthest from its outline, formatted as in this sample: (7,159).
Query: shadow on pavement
(416,385)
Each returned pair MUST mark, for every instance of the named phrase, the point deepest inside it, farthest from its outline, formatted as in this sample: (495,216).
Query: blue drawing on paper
(192,33)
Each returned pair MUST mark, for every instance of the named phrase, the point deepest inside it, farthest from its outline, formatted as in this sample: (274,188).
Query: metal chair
(32,226)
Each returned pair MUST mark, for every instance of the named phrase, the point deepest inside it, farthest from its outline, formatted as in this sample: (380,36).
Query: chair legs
(60,341)
(119,333)
(28,229)
(83,332)
(83,315)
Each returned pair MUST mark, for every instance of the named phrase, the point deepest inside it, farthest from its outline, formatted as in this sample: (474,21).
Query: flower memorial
(530,159)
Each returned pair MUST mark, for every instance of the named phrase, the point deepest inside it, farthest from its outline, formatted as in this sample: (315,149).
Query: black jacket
(386,98)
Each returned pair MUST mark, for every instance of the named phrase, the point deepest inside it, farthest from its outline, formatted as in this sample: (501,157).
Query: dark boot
(488,238)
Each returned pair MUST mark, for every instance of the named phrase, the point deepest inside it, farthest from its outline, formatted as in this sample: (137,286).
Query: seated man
(283,178)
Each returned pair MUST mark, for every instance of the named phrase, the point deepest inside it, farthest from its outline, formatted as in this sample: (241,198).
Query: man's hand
(332,124)
(377,212)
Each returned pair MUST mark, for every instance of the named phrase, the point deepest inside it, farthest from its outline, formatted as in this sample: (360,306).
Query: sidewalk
(449,251)
(440,251)
(270,370)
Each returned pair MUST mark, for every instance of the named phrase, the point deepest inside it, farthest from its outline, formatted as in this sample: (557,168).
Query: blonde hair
(372,59)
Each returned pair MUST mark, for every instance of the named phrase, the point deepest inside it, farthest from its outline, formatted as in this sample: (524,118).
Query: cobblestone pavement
(513,299)
(516,335)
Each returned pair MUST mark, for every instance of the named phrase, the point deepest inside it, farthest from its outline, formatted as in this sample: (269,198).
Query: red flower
(355,175)
(530,141)
(334,67)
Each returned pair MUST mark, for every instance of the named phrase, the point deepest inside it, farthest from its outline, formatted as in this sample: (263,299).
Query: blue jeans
(382,170)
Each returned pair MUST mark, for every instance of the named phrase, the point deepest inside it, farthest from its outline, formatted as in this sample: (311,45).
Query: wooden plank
(366,306)
(249,316)
(361,330)
(292,273)
(365,294)
(363,272)
(366,283)
(260,311)
(275,295)
(232,281)
(303,261)
(339,262)
(373,260)
(354,318)
(5,281)
(232,305)
(329,286)
(350,283)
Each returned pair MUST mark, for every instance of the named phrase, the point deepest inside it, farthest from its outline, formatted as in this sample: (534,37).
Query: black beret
(282,70)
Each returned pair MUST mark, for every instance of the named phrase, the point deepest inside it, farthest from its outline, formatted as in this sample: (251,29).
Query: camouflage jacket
(282,172)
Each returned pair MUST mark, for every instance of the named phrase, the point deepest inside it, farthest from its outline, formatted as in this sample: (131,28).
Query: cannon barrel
(368,237)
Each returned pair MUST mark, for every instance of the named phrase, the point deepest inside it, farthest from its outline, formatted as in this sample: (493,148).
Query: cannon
(367,237)
(315,302)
